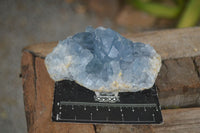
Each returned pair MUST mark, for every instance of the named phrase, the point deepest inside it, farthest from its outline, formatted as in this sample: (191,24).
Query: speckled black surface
(83,107)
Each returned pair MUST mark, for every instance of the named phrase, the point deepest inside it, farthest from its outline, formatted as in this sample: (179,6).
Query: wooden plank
(124,129)
(175,43)
(38,98)
(28,81)
(38,111)
(38,95)
(178,84)
(186,120)
(178,81)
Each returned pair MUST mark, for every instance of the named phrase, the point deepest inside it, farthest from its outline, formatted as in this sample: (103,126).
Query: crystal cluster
(104,61)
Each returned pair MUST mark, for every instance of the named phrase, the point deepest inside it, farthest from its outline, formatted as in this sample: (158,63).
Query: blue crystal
(102,60)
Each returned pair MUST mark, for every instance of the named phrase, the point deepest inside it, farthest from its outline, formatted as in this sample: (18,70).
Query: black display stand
(74,103)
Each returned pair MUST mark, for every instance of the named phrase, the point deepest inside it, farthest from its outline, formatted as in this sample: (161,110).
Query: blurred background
(25,22)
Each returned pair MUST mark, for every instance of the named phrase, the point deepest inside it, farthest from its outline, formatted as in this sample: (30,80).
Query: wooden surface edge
(181,120)
(40,49)
(173,43)
(28,64)
(28,82)
(184,93)
(38,90)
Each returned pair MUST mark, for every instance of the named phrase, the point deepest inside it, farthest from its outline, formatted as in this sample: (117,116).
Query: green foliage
(190,15)
(188,11)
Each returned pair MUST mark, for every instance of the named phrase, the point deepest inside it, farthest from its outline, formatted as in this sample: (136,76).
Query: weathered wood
(38,98)
(175,121)
(28,81)
(185,120)
(176,43)
(178,83)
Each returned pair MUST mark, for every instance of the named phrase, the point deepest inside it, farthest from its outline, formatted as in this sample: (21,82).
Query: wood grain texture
(38,98)
(29,88)
(186,120)
(178,83)
(175,43)
(124,129)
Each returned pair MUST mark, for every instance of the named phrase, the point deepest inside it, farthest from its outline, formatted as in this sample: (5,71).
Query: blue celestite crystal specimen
(104,61)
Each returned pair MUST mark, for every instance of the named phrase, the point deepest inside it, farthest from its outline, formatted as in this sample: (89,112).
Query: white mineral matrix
(104,61)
